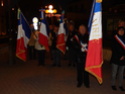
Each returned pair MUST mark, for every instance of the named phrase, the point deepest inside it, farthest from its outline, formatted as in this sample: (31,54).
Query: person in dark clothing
(56,54)
(71,51)
(31,44)
(118,58)
(31,47)
(80,42)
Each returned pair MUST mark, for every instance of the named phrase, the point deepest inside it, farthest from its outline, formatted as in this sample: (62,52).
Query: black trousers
(72,56)
(56,57)
(41,57)
(82,75)
(31,52)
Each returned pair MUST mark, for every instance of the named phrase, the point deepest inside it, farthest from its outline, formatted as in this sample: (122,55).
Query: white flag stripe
(96,30)
(43,29)
(21,34)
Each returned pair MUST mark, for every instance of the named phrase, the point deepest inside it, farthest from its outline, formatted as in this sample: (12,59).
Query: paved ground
(28,78)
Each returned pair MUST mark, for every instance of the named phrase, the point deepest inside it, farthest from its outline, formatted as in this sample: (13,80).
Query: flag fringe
(20,58)
(98,78)
(58,46)
(17,54)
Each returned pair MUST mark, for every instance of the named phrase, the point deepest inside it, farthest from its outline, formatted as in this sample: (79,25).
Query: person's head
(70,27)
(121,31)
(82,30)
(56,27)
(51,27)
(121,23)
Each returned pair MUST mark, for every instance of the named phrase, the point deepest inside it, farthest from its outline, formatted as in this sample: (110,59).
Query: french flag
(94,58)
(61,38)
(23,36)
(43,35)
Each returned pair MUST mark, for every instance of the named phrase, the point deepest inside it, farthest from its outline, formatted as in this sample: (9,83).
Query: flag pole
(42,13)
(18,16)
(91,16)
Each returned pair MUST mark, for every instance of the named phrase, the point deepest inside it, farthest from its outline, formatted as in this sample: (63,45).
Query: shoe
(114,88)
(79,85)
(74,65)
(121,88)
(41,64)
(69,64)
(124,77)
(59,65)
(87,86)
(53,65)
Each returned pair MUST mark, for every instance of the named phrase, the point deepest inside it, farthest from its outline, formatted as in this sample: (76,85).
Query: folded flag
(23,36)
(61,38)
(94,58)
(43,35)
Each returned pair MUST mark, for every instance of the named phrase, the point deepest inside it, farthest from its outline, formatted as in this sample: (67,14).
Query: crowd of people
(76,45)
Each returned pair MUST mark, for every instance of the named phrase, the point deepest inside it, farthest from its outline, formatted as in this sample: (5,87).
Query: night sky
(30,8)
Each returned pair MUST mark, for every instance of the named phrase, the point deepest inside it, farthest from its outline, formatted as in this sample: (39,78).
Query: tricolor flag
(43,35)
(94,58)
(23,36)
(61,38)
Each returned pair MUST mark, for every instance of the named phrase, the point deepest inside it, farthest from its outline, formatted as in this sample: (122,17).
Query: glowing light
(35,23)
(51,11)
(50,7)
(2,3)
(12,8)
(46,6)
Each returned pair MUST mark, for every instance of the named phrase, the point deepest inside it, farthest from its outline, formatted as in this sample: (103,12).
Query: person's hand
(122,58)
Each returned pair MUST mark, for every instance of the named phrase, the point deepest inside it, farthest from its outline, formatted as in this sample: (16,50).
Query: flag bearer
(80,42)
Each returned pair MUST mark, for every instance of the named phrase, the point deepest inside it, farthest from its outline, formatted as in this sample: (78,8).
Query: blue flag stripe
(97,7)
(45,22)
(25,25)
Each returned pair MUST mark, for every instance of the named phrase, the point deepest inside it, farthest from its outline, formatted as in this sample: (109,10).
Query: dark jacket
(77,46)
(117,52)
(54,39)
(69,39)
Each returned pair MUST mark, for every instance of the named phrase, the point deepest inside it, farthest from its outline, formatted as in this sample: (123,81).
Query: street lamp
(50,13)
(50,10)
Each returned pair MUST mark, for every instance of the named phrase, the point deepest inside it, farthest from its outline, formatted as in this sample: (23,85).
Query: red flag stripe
(21,51)
(96,59)
(44,41)
(61,45)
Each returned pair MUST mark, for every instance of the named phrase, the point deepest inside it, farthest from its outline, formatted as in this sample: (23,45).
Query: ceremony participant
(31,45)
(40,50)
(121,23)
(118,59)
(80,42)
(71,51)
(56,54)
